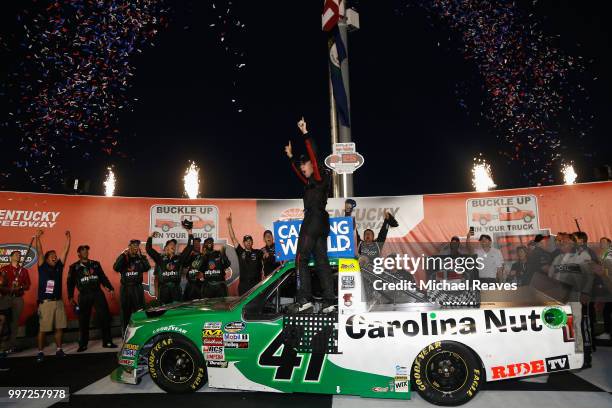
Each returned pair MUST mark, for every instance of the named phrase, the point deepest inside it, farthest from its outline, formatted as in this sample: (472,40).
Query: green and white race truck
(368,348)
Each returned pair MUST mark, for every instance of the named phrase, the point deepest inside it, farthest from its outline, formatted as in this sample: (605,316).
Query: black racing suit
(250,268)
(195,280)
(168,271)
(269,263)
(213,268)
(87,276)
(131,295)
(315,228)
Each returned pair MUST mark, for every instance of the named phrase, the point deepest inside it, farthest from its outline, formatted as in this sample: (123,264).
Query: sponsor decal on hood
(234,327)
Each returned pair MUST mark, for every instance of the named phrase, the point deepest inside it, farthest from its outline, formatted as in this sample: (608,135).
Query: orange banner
(107,224)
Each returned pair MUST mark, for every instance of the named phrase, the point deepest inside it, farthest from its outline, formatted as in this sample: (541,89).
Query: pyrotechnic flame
(569,175)
(482,180)
(192,181)
(109,183)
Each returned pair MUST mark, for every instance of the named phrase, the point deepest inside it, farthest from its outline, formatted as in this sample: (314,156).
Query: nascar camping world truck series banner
(107,224)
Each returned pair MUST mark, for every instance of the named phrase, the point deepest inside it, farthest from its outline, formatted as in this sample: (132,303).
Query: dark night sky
(406,119)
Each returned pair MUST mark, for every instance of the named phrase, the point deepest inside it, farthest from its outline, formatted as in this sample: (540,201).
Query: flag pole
(344,133)
(336,14)
(333,121)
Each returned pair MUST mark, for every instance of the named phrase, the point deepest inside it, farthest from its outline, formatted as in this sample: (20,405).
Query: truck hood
(200,305)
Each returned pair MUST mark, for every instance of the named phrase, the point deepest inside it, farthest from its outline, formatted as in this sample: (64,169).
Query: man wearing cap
(250,260)
(213,268)
(195,278)
(87,275)
(538,259)
(312,239)
(168,268)
(269,254)
(131,264)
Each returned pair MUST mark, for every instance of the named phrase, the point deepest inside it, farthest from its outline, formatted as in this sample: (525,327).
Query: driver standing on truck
(312,239)
(168,267)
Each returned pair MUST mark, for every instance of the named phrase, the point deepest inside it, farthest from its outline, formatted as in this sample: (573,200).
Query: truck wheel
(208,228)
(165,228)
(176,365)
(527,218)
(483,221)
(446,373)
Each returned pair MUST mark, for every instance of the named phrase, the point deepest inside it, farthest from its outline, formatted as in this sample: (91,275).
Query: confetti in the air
(72,82)
(482,178)
(230,30)
(530,88)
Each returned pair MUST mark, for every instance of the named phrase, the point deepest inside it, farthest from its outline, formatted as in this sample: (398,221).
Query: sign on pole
(344,159)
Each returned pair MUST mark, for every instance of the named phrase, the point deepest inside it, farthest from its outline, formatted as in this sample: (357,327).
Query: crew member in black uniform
(131,264)
(195,277)
(269,254)
(87,276)
(213,268)
(249,259)
(168,268)
(315,226)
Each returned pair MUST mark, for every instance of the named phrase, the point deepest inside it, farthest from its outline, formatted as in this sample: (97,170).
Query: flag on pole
(331,14)
(337,54)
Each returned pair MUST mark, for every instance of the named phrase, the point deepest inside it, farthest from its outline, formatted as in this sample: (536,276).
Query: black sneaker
(302,306)
(60,353)
(40,357)
(81,349)
(109,345)
(328,307)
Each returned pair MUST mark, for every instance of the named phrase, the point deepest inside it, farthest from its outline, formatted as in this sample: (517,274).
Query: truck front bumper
(125,375)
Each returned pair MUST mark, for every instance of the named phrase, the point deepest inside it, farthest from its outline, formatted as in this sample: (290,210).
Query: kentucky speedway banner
(340,242)
(107,224)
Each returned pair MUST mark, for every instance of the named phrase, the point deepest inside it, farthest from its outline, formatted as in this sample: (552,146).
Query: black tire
(527,218)
(431,377)
(176,365)
(483,221)
(165,228)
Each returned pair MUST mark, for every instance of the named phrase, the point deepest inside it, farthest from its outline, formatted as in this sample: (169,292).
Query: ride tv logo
(558,363)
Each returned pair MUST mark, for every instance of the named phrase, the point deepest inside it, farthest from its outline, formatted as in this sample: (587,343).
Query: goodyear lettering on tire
(427,386)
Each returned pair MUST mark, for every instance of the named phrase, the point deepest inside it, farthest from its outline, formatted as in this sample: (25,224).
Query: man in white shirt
(493,270)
